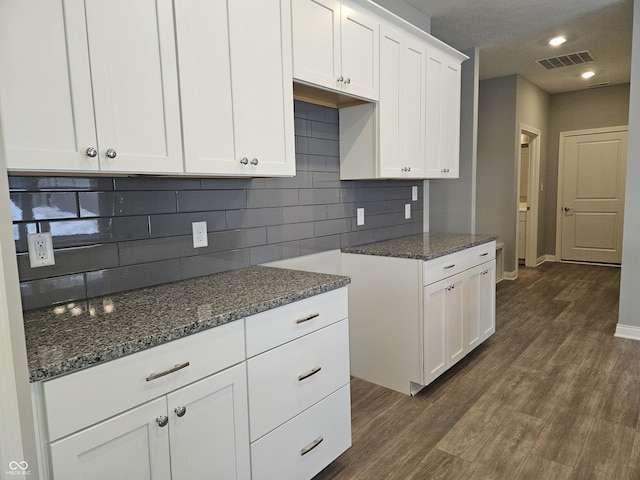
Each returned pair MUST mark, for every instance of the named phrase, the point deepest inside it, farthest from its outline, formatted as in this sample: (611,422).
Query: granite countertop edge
(81,361)
(415,249)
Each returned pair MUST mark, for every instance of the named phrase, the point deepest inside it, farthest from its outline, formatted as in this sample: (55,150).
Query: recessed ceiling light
(554,42)
(588,74)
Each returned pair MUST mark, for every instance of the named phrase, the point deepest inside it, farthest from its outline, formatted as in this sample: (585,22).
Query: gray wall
(629,298)
(115,234)
(593,108)
(533,111)
(452,202)
(497,143)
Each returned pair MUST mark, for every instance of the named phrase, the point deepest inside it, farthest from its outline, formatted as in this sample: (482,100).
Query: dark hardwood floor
(551,395)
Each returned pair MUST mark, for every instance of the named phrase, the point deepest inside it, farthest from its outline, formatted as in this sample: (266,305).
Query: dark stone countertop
(65,338)
(424,246)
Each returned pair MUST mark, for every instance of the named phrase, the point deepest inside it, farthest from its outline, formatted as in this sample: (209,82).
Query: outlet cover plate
(407,211)
(360,216)
(40,249)
(414,193)
(200,238)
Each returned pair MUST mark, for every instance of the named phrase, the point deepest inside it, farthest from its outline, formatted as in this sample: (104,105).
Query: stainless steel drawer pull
(311,446)
(306,319)
(179,366)
(484,254)
(308,374)
(450,266)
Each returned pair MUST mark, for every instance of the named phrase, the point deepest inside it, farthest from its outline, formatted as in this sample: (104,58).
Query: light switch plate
(360,216)
(414,193)
(40,249)
(407,210)
(200,238)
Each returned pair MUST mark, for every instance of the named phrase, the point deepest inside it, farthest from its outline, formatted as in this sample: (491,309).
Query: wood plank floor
(552,395)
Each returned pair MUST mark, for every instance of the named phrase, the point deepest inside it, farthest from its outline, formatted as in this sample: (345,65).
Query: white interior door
(592,202)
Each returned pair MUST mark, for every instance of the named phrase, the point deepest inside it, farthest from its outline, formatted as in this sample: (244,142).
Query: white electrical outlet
(360,216)
(407,210)
(414,193)
(200,238)
(40,249)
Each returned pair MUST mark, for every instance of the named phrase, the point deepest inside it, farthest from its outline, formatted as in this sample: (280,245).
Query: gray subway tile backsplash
(116,234)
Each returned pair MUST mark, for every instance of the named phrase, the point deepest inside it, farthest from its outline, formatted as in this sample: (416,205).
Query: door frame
(560,187)
(533,196)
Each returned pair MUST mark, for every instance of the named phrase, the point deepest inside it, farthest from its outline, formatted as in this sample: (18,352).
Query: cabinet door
(205,87)
(401,108)
(316,42)
(480,303)
(360,53)
(133,70)
(210,437)
(47,105)
(444,332)
(130,445)
(442,115)
(455,317)
(435,331)
(261,73)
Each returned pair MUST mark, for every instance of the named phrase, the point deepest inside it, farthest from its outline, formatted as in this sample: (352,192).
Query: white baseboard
(627,331)
(510,275)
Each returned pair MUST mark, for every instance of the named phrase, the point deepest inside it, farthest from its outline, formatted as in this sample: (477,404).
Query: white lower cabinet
(175,411)
(198,431)
(264,397)
(444,330)
(433,314)
(299,401)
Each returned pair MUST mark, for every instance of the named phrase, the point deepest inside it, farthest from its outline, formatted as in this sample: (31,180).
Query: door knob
(566,209)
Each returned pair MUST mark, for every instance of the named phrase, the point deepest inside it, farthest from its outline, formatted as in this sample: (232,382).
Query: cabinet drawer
(481,254)
(443,267)
(83,398)
(281,453)
(289,379)
(274,327)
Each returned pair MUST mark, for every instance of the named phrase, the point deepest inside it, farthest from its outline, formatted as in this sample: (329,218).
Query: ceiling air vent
(598,85)
(577,58)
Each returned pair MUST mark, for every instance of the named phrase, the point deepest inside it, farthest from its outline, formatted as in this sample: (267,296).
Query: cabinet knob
(162,420)
(180,411)
(244,160)
(347,81)
(254,161)
(111,153)
(341,79)
(91,152)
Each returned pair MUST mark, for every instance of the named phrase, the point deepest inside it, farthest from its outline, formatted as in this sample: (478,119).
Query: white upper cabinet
(336,46)
(46,125)
(401,107)
(93,86)
(442,115)
(413,130)
(235,84)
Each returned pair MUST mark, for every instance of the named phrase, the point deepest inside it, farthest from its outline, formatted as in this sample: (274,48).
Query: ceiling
(513,34)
